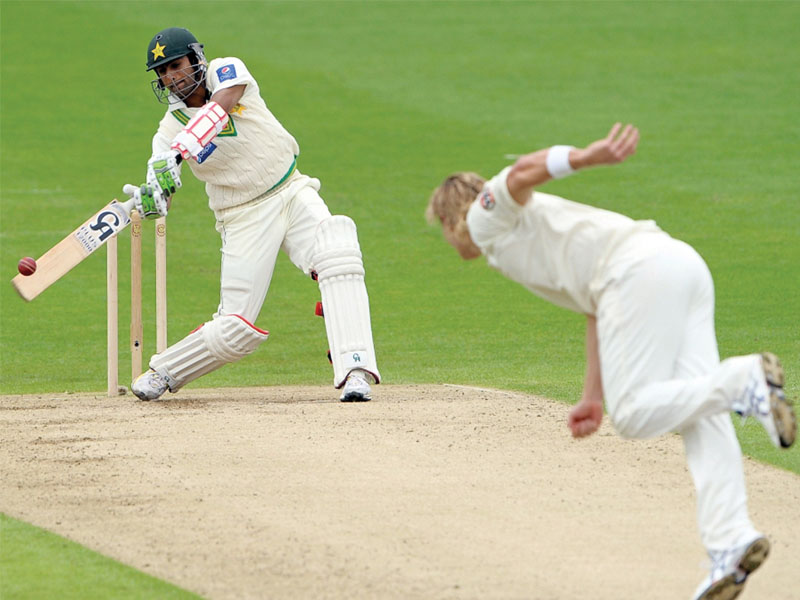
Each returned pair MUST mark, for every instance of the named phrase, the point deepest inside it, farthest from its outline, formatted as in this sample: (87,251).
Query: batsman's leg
(328,247)
(223,340)
(340,273)
(251,238)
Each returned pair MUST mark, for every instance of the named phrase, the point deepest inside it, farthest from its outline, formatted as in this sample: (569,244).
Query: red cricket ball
(27,266)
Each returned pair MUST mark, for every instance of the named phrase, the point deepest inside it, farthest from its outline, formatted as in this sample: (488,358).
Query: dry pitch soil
(425,492)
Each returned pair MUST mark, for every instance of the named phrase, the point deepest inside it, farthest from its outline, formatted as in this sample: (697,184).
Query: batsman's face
(177,76)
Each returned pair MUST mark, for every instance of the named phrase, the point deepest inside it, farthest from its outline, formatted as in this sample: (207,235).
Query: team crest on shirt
(487,199)
(226,72)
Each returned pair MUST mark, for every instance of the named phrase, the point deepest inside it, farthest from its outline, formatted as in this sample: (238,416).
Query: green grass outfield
(385,99)
(35,564)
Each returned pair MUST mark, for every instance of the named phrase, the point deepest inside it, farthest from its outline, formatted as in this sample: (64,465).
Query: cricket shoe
(765,400)
(149,385)
(731,568)
(356,388)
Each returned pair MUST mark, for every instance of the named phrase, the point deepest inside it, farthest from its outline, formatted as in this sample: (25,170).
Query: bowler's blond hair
(450,201)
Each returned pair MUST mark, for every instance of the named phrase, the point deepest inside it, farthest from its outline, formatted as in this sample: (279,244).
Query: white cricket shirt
(251,155)
(556,248)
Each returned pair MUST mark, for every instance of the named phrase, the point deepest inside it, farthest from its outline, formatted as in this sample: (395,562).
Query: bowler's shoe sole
(782,410)
(730,586)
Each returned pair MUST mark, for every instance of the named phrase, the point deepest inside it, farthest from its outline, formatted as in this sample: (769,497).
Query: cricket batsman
(217,123)
(650,340)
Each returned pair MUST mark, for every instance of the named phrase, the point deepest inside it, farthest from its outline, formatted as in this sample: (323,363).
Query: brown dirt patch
(425,492)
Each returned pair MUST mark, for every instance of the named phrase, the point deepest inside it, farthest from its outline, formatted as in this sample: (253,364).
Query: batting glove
(164,174)
(149,202)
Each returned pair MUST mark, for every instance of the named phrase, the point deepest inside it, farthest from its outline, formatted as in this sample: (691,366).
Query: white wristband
(558,162)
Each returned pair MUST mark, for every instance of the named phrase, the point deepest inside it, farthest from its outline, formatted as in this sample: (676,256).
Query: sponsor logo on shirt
(226,72)
(206,152)
(487,199)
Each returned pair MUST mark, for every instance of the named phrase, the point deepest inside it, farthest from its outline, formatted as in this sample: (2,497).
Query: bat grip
(128,206)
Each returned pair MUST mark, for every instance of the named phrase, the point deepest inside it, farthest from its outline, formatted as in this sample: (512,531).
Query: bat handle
(128,206)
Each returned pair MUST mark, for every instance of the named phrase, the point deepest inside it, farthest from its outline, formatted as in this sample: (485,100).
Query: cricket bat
(61,258)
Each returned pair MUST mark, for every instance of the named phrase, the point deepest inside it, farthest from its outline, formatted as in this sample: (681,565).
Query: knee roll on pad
(340,274)
(336,249)
(220,341)
(230,337)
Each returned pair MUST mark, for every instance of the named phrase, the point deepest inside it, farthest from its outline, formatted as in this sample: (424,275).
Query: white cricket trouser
(253,234)
(661,372)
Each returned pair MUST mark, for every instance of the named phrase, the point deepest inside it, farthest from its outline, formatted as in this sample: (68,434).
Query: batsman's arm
(537,168)
(209,121)
(229,97)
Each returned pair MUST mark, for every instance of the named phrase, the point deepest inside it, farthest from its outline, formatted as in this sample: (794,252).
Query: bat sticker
(106,223)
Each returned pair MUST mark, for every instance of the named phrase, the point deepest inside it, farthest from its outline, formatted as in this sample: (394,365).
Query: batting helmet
(168,45)
(172,43)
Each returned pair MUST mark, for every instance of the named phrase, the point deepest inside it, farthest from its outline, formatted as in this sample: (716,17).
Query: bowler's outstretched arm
(532,170)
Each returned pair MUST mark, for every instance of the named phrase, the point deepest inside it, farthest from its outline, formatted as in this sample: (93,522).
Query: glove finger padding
(149,202)
(163,173)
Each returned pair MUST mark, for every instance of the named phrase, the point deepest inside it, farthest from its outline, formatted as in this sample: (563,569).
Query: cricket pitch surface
(425,492)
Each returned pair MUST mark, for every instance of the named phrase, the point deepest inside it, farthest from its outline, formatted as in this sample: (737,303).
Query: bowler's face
(463,244)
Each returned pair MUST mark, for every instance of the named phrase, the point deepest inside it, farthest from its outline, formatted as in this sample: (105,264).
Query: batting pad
(340,274)
(223,340)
